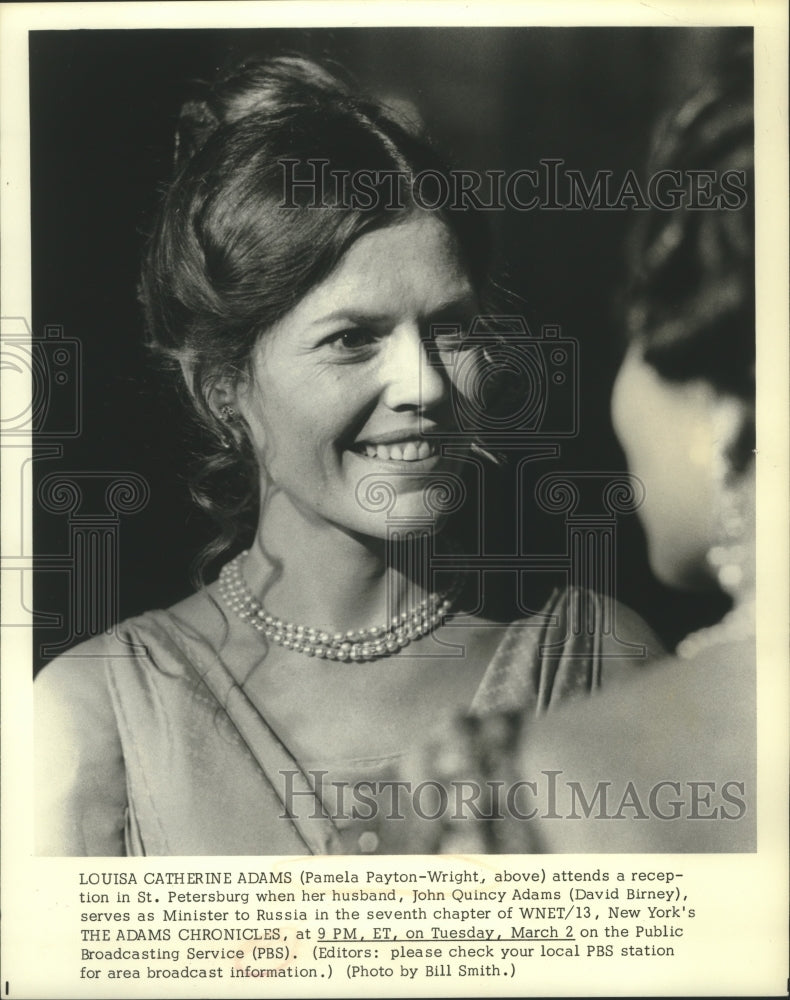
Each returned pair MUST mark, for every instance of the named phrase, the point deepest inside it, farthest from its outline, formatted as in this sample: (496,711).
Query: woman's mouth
(411,450)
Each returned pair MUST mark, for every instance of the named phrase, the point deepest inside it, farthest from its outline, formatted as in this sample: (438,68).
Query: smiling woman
(341,387)
(325,347)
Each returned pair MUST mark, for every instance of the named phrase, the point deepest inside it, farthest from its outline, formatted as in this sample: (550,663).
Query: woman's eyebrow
(352,316)
(466,300)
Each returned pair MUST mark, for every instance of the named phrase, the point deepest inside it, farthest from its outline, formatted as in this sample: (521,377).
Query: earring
(227,414)
(727,556)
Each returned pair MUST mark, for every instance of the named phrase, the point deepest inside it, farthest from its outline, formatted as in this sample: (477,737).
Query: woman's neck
(312,572)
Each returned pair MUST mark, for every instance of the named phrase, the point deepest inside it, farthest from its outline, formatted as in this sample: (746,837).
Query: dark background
(103,107)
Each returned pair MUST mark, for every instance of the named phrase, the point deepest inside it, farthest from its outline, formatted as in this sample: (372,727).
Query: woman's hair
(690,299)
(235,248)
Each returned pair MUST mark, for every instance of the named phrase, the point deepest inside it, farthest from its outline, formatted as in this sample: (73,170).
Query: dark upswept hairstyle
(690,300)
(229,255)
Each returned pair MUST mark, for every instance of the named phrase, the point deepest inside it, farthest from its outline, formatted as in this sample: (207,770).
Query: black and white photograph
(383,427)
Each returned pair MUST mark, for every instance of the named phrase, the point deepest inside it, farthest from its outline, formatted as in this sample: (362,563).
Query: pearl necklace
(735,626)
(354,645)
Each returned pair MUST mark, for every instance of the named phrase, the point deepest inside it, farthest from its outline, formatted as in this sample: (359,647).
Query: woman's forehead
(413,265)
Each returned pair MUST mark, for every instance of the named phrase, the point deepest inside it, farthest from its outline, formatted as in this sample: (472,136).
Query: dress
(205,774)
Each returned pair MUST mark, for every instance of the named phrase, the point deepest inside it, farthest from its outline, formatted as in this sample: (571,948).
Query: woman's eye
(354,339)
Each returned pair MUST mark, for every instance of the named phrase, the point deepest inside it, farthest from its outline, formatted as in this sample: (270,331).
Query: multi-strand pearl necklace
(355,645)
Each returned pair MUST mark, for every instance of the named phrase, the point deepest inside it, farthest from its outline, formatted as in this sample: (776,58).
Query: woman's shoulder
(578,620)
(72,695)
(690,719)
(83,701)
(140,637)
(80,784)
(79,675)
(576,643)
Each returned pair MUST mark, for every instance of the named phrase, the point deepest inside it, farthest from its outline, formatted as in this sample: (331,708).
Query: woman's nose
(411,379)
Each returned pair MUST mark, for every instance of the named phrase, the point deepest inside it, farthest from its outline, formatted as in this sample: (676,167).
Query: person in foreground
(666,761)
(683,407)
(330,646)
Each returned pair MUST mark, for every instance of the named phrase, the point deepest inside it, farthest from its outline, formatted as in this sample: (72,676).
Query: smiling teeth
(408,451)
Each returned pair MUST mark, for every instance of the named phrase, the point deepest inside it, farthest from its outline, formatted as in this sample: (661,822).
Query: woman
(303,319)
(667,762)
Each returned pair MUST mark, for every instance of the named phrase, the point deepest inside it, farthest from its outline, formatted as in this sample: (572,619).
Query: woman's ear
(222,403)
(217,391)
(216,400)
(221,399)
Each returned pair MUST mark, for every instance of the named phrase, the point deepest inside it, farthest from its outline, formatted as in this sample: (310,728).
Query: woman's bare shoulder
(80,777)
(77,678)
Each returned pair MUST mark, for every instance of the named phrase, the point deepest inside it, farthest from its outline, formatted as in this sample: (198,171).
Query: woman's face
(671,436)
(341,386)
